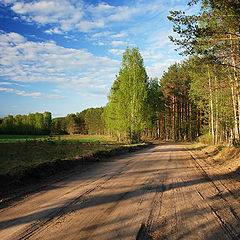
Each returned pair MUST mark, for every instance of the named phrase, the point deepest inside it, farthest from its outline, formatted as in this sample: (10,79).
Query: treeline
(89,121)
(33,123)
(212,39)
(180,118)
(198,97)
(140,107)
(199,100)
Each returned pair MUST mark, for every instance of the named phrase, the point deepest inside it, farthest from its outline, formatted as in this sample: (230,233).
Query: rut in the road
(165,192)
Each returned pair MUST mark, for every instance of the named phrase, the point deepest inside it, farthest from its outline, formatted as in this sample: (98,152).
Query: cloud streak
(116,51)
(33,94)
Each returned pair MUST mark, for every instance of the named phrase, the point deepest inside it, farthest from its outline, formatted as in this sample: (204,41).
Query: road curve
(164,192)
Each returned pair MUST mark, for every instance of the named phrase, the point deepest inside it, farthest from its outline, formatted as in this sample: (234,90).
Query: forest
(195,99)
(89,121)
(198,98)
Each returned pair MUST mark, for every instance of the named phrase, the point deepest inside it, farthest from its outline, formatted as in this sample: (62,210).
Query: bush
(206,139)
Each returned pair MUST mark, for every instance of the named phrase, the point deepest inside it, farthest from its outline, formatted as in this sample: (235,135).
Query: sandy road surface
(165,192)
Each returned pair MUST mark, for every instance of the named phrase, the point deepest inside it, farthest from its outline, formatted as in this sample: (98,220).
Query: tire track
(50,219)
(162,193)
(227,227)
(56,215)
(152,223)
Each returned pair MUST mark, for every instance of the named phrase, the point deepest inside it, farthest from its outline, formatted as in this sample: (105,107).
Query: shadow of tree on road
(145,232)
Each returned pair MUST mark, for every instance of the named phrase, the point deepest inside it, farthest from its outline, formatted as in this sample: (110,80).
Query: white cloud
(10,83)
(5,83)
(117,43)
(78,15)
(152,55)
(160,38)
(105,38)
(100,44)
(119,35)
(101,34)
(33,95)
(157,50)
(86,26)
(54,31)
(93,95)
(50,11)
(57,90)
(62,13)
(116,51)
(27,61)
(12,38)
(8,1)
(100,9)
(158,68)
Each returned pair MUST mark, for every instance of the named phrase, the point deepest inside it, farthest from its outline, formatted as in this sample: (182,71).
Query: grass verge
(31,160)
(224,157)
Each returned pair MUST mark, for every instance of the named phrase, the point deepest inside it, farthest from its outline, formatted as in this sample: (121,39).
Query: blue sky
(62,56)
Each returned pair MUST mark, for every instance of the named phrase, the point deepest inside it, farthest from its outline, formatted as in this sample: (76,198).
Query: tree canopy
(127,108)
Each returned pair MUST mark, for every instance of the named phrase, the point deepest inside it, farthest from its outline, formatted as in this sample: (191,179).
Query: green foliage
(89,121)
(213,35)
(34,123)
(180,117)
(94,122)
(205,139)
(72,124)
(20,138)
(213,32)
(155,102)
(59,126)
(127,109)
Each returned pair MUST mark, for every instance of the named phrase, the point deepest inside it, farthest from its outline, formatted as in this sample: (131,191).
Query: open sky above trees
(62,56)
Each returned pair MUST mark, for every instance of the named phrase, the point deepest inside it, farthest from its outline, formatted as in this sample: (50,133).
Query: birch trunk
(216,121)
(236,78)
(211,105)
(236,130)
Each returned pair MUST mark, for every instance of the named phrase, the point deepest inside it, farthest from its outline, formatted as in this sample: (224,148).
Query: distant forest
(197,98)
(89,121)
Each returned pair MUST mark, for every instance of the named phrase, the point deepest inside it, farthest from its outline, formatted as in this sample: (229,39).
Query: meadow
(18,152)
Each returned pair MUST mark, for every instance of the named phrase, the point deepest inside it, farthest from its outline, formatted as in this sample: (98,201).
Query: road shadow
(145,231)
(100,200)
(37,179)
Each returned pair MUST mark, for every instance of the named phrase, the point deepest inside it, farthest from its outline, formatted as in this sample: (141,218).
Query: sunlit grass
(20,138)
(70,138)
(19,152)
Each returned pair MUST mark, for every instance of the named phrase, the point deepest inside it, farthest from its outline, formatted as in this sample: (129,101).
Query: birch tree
(126,111)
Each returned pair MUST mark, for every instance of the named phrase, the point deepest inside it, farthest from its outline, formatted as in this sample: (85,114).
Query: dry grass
(226,158)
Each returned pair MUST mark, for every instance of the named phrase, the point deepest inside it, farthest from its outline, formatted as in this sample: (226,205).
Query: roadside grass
(20,138)
(223,157)
(20,152)
(69,138)
(196,145)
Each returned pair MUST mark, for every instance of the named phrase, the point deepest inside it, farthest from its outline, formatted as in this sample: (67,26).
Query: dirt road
(165,192)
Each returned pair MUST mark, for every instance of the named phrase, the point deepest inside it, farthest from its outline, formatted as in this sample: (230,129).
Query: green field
(18,152)
(20,138)
(69,138)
